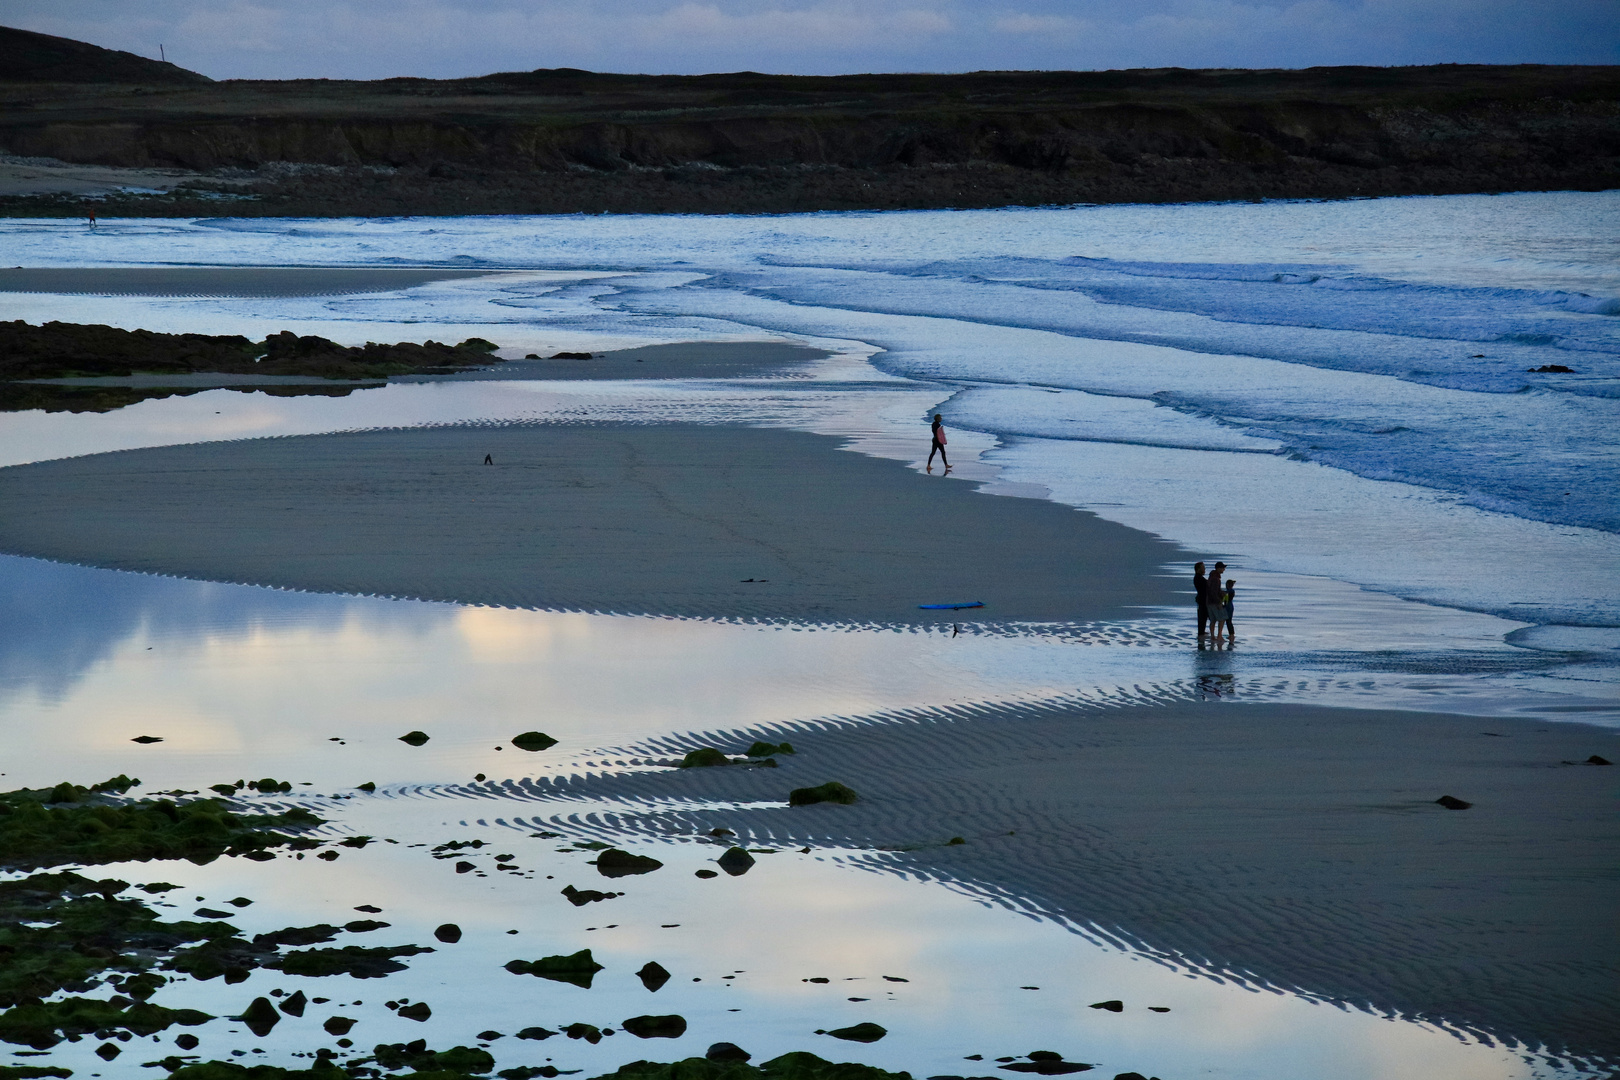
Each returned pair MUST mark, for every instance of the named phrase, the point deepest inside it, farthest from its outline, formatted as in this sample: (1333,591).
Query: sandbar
(677,519)
(1296,845)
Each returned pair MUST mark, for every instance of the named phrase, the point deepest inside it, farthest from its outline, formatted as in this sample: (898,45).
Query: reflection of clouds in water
(62,621)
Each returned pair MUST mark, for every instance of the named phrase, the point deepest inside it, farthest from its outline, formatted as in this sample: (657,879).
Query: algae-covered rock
(39,829)
(736,861)
(42,1025)
(260,1017)
(318,934)
(765,749)
(414,738)
(294,1004)
(581,897)
(724,1051)
(616,863)
(356,961)
(533,741)
(704,757)
(576,968)
(416,1010)
(795,1066)
(338,1025)
(861,1033)
(539,1034)
(33,1072)
(832,791)
(449,933)
(589,1032)
(670,1026)
(652,975)
(439,1065)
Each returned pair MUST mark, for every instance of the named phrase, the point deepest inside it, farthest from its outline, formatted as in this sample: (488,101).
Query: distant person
(488,460)
(1200,585)
(90,211)
(1224,612)
(939,444)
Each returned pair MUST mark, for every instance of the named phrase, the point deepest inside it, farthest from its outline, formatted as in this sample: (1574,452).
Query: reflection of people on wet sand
(939,444)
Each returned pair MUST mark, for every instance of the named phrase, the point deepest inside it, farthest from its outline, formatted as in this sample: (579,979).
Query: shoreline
(1298,846)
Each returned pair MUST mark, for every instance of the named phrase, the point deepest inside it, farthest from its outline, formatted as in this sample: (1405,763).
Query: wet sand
(1298,845)
(673,519)
(220,281)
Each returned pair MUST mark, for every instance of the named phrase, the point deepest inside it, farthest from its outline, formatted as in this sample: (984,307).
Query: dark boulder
(832,791)
(736,862)
(1453,804)
(615,863)
(656,1027)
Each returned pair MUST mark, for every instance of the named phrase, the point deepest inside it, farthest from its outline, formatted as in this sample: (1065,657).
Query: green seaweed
(794,1066)
(32,1072)
(704,757)
(832,791)
(43,1024)
(72,824)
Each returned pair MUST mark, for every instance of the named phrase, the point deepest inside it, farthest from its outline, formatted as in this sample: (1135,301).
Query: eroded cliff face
(1066,137)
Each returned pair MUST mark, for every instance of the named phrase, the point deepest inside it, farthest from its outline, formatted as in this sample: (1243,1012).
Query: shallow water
(1307,357)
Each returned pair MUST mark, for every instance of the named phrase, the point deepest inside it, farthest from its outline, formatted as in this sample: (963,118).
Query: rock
(832,791)
(572,356)
(338,1025)
(147,739)
(765,749)
(954,841)
(861,1033)
(704,757)
(705,874)
(539,1034)
(294,1004)
(1158,1008)
(724,1051)
(1112,1006)
(721,832)
(366,926)
(417,1010)
(106,1051)
(1453,804)
(240,902)
(652,975)
(656,1027)
(463,866)
(211,913)
(188,1041)
(894,978)
(581,897)
(490,1036)
(735,862)
(1048,1066)
(369,909)
(260,1017)
(414,738)
(589,1032)
(1129,1076)
(576,968)
(449,933)
(328,856)
(614,863)
(1551,369)
(533,741)
(368,787)
(1596,760)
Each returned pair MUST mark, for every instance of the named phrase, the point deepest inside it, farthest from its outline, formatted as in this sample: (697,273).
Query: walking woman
(939,444)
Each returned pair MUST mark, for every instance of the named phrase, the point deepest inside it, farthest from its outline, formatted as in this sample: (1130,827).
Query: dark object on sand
(724,1051)
(368,787)
(765,749)
(589,1032)
(187,1041)
(861,1033)
(240,902)
(338,1025)
(653,976)
(572,356)
(581,897)
(294,1005)
(615,863)
(951,607)
(1550,369)
(260,1017)
(464,866)
(415,738)
(106,1052)
(704,757)
(705,874)
(417,1010)
(671,1026)
(449,933)
(1597,760)
(1453,804)
(211,913)
(490,1036)
(147,739)
(534,740)
(736,861)
(1111,1006)
(539,1034)
(832,791)
(576,968)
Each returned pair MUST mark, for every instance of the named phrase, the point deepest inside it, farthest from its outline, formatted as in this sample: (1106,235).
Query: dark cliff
(563,140)
(29,57)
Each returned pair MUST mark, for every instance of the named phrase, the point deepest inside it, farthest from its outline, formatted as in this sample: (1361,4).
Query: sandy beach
(675,520)
(1300,847)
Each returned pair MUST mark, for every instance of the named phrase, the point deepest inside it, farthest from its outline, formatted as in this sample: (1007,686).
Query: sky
(368,39)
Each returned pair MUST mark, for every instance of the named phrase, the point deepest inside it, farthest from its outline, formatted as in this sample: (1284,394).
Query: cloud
(444,38)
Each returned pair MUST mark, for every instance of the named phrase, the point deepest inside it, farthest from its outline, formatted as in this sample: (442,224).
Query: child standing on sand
(1221,615)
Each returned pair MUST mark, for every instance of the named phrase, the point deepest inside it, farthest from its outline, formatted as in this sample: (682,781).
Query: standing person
(939,444)
(1200,587)
(90,210)
(1224,612)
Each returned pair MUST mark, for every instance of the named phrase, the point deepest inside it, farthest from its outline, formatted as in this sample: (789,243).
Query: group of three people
(1214,602)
